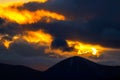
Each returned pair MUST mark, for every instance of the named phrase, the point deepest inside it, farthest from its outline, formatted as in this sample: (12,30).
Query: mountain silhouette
(11,72)
(80,68)
(75,68)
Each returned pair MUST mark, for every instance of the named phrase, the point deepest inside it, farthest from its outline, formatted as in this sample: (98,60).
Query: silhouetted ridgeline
(75,68)
(9,72)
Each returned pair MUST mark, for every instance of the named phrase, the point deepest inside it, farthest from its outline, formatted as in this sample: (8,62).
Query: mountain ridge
(71,68)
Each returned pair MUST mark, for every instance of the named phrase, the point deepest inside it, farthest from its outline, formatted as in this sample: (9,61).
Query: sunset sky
(13,1)
(6,1)
(40,33)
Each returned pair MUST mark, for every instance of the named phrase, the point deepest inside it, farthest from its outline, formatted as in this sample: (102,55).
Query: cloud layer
(95,21)
(88,21)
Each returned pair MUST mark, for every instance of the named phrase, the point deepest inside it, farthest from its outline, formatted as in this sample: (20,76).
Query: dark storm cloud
(10,28)
(95,31)
(104,31)
(22,48)
(91,21)
(59,43)
(80,9)
(2,48)
(1,21)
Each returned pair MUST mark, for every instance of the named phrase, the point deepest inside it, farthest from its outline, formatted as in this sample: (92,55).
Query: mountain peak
(76,61)
(76,67)
(75,57)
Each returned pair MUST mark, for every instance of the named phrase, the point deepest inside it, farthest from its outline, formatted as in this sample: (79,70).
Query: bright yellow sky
(7,1)
(10,1)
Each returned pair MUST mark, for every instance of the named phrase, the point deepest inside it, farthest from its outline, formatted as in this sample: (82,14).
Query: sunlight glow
(12,13)
(37,37)
(24,16)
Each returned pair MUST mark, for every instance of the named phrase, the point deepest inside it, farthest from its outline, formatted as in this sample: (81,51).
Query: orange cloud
(39,37)
(12,13)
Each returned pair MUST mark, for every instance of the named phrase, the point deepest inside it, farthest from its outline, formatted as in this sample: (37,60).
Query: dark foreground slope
(10,72)
(75,68)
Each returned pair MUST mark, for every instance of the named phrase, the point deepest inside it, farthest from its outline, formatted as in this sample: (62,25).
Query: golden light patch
(88,49)
(39,37)
(44,39)
(11,12)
